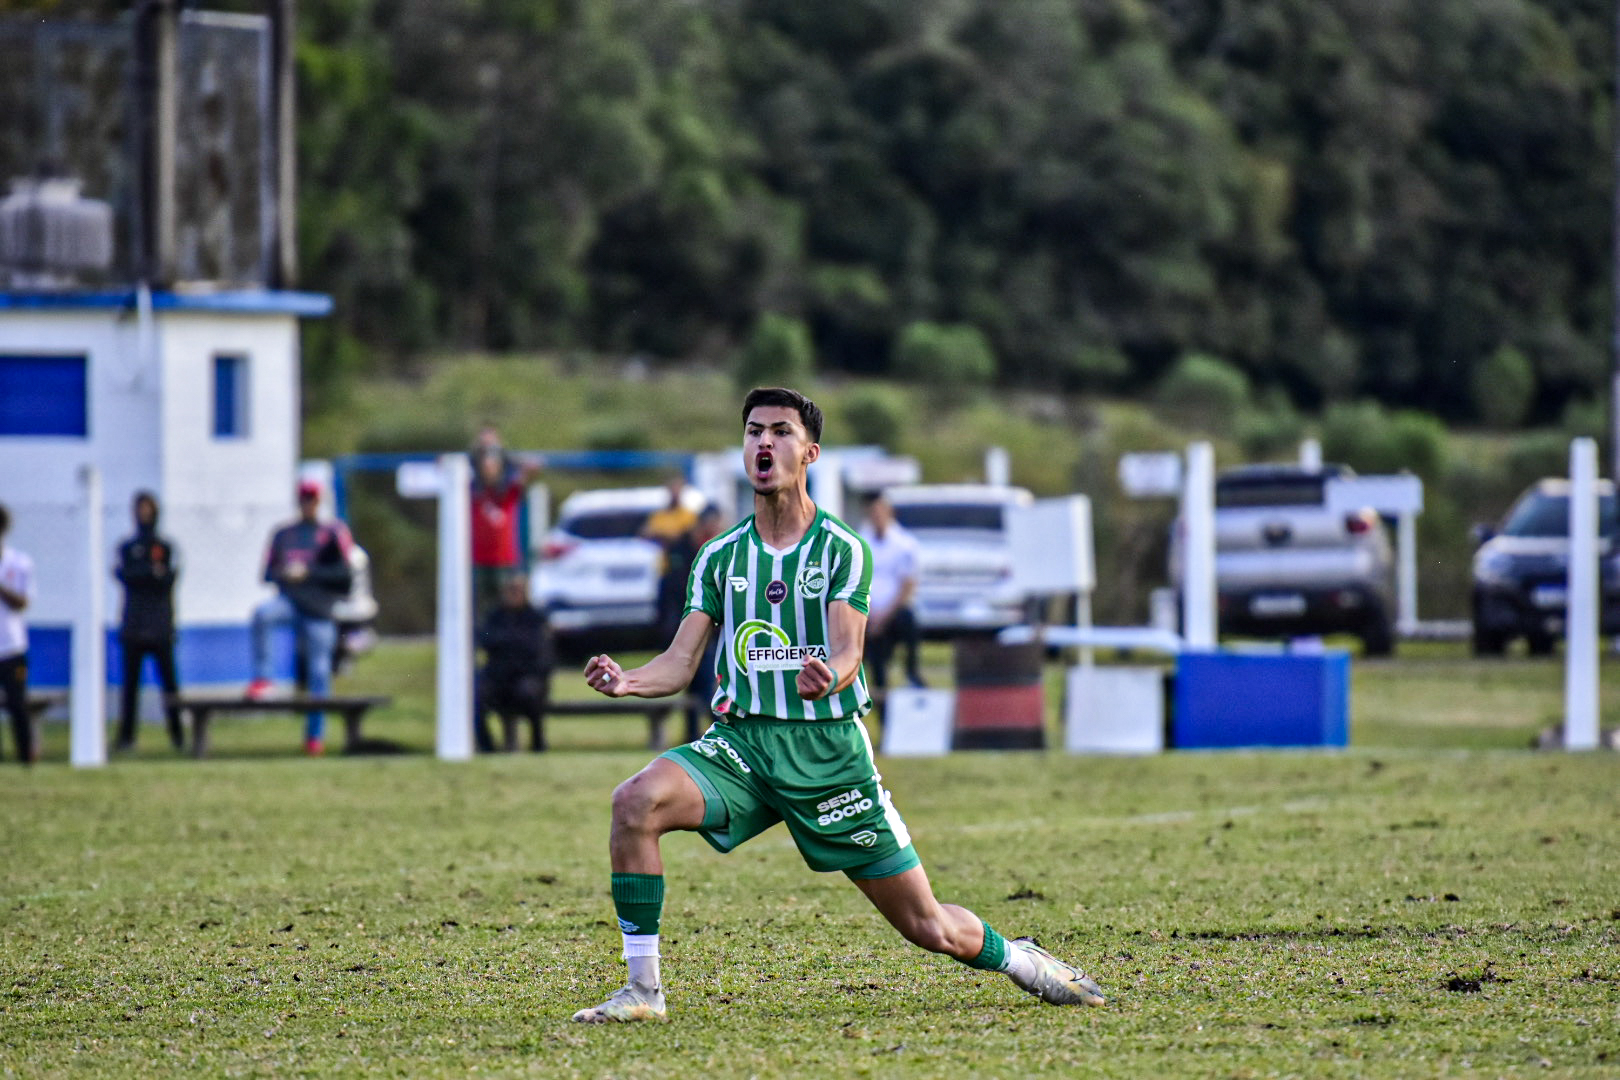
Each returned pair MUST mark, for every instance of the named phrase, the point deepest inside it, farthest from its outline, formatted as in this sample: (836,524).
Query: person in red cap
(308,563)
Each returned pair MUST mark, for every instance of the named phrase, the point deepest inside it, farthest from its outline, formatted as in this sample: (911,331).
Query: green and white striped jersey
(771,610)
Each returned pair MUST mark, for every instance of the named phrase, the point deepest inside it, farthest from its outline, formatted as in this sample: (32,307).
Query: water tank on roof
(50,235)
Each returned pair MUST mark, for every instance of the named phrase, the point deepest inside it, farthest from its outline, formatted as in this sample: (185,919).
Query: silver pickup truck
(1287,566)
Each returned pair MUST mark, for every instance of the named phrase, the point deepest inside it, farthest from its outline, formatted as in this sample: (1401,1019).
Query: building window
(44,395)
(231,397)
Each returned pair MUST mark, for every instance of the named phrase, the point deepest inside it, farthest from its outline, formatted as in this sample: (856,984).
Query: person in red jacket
(497,495)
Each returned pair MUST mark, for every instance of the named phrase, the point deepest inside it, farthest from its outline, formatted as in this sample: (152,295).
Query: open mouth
(762,465)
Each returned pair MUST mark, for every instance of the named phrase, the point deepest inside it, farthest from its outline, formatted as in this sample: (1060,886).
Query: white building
(192,396)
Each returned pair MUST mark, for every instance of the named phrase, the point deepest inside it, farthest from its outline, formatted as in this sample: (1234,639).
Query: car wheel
(1541,644)
(1487,642)
(1378,637)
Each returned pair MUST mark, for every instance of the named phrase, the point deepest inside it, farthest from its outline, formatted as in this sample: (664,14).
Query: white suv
(596,573)
(964,562)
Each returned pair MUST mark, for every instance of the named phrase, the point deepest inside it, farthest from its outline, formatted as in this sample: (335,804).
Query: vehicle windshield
(608,525)
(1269,491)
(950,516)
(1548,515)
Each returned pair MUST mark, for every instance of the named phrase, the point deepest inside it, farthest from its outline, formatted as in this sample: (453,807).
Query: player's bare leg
(659,799)
(908,902)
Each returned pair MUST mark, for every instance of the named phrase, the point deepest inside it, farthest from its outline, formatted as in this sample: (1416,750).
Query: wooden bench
(198,710)
(655,710)
(41,703)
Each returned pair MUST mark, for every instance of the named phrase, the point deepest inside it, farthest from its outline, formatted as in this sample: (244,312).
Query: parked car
(596,576)
(964,561)
(1287,565)
(1521,570)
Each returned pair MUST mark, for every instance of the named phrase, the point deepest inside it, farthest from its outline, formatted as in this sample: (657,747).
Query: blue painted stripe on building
(204,655)
(235,302)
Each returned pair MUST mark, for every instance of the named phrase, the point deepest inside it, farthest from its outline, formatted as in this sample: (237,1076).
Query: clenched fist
(604,675)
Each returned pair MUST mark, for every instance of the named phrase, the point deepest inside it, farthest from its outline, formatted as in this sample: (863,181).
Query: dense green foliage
(1338,197)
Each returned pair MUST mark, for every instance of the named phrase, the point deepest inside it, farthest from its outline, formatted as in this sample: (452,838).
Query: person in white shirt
(16,592)
(894,585)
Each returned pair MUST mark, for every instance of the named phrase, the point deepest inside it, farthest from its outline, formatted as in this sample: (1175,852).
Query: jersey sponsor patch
(776,592)
(762,646)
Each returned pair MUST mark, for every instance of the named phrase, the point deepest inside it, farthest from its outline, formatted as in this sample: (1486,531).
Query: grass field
(1434,901)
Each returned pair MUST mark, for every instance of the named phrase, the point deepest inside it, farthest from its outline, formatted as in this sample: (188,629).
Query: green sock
(638,899)
(993,957)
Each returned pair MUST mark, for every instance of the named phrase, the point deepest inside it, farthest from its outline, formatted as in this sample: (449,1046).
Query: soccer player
(787,591)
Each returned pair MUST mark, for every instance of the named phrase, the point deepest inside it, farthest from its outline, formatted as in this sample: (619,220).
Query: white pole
(1581,616)
(1198,516)
(88,718)
(1082,618)
(1406,604)
(997,466)
(455,672)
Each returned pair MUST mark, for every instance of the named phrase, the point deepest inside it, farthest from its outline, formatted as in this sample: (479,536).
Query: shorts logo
(865,838)
(776,592)
(712,745)
(812,582)
(779,655)
(738,584)
(839,807)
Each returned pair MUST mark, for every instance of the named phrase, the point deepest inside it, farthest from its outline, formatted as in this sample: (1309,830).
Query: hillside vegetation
(1058,444)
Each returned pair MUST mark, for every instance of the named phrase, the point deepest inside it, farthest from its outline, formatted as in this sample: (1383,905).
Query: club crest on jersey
(738,584)
(776,653)
(776,592)
(812,582)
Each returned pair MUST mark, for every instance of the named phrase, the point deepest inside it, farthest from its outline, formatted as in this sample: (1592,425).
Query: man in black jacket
(148,564)
(308,563)
(515,677)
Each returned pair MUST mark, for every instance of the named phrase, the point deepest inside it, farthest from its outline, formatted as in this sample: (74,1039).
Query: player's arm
(846,641)
(669,672)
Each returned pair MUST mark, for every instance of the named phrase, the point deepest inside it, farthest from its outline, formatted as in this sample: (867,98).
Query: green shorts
(818,776)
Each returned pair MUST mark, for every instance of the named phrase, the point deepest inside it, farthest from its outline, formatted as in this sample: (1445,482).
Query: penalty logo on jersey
(776,653)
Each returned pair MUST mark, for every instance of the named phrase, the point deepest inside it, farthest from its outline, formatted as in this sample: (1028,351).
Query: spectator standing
(701,690)
(308,563)
(16,593)
(148,564)
(667,528)
(892,621)
(497,495)
(515,679)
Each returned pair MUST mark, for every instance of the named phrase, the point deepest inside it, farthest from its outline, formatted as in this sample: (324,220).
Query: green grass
(1416,905)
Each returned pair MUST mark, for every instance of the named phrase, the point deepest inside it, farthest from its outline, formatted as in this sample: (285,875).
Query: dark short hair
(144,496)
(809,413)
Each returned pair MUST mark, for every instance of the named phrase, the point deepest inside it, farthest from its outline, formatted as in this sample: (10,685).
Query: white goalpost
(453,740)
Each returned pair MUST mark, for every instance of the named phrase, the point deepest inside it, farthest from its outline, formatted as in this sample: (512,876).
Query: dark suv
(1521,572)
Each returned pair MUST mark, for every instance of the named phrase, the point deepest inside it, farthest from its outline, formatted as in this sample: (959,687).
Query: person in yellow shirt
(666,528)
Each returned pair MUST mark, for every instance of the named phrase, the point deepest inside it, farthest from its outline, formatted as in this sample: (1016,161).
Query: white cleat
(1056,982)
(630,1003)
